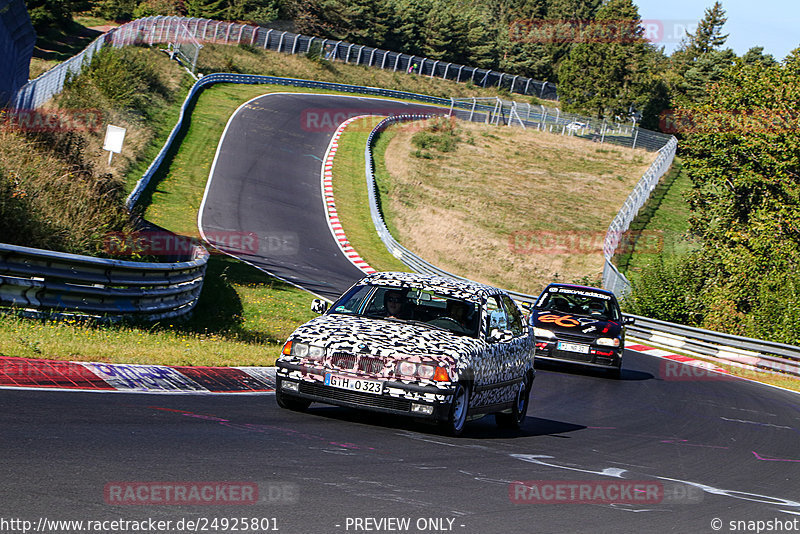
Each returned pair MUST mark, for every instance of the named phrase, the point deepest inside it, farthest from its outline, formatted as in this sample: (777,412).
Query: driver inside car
(395,305)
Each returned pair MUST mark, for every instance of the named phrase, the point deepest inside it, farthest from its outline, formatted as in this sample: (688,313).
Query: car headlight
(422,370)
(542,332)
(407,368)
(304,350)
(425,371)
(608,341)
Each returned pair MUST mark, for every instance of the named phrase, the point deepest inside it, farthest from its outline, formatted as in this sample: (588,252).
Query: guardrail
(758,354)
(46,283)
(755,353)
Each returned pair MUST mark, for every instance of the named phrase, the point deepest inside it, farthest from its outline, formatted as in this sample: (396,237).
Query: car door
(520,351)
(496,366)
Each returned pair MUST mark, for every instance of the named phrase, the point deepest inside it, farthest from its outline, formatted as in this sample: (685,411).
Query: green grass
(352,200)
(662,225)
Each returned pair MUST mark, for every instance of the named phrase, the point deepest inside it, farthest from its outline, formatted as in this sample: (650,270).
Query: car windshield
(579,302)
(419,306)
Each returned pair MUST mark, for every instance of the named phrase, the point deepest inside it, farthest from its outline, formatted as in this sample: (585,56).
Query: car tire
(615,373)
(457,416)
(518,413)
(291,403)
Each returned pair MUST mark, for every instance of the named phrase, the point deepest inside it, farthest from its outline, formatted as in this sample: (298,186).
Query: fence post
(280,43)
(266,39)
(253,37)
(294,45)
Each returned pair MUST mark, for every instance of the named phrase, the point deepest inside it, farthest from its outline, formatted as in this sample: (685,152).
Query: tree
(744,162)
(613,69)
(708,35)
(757,55)
(210,9)
(699,61)
(48,13)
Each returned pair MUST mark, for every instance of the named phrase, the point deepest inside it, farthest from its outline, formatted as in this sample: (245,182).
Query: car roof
(458,288)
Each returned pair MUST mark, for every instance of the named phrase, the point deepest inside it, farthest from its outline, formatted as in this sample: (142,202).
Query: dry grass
(461,210)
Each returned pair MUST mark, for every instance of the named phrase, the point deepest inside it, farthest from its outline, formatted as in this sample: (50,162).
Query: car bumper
(607,358)
(398,398)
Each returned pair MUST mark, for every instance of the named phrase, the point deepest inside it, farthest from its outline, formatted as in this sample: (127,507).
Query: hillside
(510,207)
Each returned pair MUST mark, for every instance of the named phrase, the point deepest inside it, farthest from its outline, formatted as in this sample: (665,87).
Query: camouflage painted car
(428,347)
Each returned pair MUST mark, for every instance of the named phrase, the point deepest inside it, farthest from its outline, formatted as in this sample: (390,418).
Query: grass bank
(352,200)
(513,208)
(661,228)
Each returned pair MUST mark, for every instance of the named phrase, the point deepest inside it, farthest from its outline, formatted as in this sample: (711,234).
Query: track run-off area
(659,450)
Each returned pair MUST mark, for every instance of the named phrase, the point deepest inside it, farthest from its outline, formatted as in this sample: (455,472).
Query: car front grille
(355,397)
(343,360)
(576,338)
(370,365)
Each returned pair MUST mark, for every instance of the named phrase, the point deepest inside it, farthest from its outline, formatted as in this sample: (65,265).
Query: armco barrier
(42,282)
(764,355)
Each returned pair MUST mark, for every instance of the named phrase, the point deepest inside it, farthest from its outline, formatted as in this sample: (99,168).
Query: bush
(440,133)
(670,290)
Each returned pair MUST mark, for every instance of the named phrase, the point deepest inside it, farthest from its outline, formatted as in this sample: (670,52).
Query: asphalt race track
(713,447)
(733,446)
(266,181)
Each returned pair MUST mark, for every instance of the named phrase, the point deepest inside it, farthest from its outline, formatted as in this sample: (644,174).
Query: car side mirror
(500,336)
(319,306)
(628,320)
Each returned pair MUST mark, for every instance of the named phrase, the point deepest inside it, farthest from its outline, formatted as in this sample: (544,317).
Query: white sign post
(113,141)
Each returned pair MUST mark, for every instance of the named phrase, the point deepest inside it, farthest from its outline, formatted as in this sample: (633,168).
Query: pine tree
(614,69)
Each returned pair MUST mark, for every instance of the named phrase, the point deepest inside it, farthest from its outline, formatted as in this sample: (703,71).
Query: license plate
(354,384)
(573,347)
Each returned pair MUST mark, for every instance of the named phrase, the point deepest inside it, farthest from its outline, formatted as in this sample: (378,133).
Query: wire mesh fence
(612,278)
(190,33)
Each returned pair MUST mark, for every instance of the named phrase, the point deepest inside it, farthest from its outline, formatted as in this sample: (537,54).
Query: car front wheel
(457,418)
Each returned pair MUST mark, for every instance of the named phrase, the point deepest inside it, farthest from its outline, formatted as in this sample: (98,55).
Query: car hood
(386,338)
(577,325)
